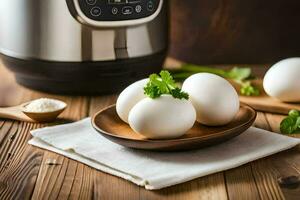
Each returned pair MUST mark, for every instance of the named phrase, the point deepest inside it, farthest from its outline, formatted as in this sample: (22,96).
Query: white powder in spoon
(44,105)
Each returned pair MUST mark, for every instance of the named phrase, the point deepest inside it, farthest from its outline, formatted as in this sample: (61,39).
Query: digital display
(117,1)
(123,1)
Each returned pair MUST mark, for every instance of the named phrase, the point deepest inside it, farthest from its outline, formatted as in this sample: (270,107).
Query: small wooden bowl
(44,116)
(108,124)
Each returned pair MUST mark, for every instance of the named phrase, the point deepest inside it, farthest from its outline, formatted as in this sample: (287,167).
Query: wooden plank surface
(27,172)
(265,103)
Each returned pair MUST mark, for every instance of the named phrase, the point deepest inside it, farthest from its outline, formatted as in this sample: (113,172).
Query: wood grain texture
(105,183)
(64,177)
(27,172)
(234,31)
(267,171)
(241,184)
(19,161)
(209,187)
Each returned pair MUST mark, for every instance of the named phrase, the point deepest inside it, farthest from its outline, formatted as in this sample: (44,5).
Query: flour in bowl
(44,105)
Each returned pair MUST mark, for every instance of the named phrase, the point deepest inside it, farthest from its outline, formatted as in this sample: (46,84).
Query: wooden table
(26,171)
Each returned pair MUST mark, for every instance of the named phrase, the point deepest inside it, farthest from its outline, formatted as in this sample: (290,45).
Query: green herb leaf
(237,74)
(167,78)
(297,125)
(249,90)
(287,125)
(291,124)
(294,113)
(178,94)
(152,91)
(156,81)
(163,84)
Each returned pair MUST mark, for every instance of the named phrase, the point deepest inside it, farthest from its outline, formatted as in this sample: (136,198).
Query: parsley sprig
(291,124)
(163,84)
(241,76)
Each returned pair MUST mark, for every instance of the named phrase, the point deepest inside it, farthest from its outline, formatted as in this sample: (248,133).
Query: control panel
(118,10)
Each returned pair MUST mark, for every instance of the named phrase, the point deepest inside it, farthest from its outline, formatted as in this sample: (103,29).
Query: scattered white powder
(44,105)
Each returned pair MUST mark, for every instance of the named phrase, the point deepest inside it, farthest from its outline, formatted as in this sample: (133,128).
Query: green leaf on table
(239,74)
(291,124)
(297,125)
(287,126)
(249,90)
(294,113)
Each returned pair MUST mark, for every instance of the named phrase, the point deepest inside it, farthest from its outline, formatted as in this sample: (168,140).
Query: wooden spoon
(19,113)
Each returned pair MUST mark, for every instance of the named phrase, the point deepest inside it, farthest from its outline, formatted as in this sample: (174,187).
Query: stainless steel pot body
(48,30)
(51,46)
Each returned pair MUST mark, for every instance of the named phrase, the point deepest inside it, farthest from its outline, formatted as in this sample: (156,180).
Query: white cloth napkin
(155,170)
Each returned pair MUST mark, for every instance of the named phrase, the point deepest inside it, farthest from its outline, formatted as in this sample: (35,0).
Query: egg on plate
(214,98)
(129,97)
(162,118)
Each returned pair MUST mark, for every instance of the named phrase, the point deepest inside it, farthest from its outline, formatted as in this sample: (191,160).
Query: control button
(91,2)
(114,10)
(96,11)
(150,6)
(127,10)
(138,8)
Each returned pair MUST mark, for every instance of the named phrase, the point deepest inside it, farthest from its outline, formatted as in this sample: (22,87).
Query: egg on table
(282,80)
(214,98)
(129,97)
(162,118)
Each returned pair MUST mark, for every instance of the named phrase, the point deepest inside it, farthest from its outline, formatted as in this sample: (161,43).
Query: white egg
(282,80)
(129,97)
(162,118)
(214,98)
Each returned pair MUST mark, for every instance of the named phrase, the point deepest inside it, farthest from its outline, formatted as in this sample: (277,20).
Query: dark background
(235,31)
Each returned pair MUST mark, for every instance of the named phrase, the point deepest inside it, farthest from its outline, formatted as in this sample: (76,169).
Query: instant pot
(83,46)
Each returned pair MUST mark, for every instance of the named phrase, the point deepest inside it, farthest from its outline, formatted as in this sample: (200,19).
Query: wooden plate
(108,124)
